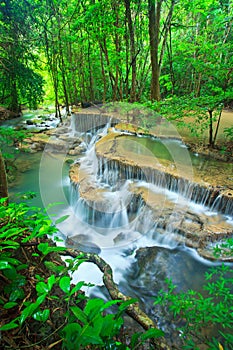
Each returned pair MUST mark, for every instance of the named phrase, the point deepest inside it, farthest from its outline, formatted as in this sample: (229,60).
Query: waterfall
(110,171)
(119,202)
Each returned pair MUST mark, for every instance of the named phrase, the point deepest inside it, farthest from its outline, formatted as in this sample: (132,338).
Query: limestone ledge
(193,230)
(57,140)
(88,190)
(112,149)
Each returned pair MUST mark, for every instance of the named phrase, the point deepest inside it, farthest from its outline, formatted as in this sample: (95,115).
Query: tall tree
(158,34)
(154,13)
(133,56)
(3,179)
(19,83)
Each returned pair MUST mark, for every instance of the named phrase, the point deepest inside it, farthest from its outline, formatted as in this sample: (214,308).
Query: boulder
(6,114)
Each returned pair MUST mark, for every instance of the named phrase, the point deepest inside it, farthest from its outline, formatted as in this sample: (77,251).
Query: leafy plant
(229,133)
(212,312)
(10,136)
(224,249)
(39,291)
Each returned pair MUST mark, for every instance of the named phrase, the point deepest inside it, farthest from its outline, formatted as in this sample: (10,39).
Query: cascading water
(111,202)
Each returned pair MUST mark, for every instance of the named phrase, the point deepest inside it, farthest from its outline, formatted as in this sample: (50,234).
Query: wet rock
(60,131)
(125,237)
(70,139)
(29,122)
(81,242)
(77,151)
(56,145)
(69,161)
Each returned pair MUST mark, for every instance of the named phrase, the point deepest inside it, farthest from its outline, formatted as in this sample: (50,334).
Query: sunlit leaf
(64,284)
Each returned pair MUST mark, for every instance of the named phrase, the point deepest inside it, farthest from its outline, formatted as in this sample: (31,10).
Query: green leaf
(63,218)
(5,265)
(42,287)
(110,326)
(126,303)
(27,312)
(89,336)
(152,333)
(77,287)
(11,273)
(51,281)
(71,335)
(110,303)
(45,249)
(79,314)
(10,305)
(22,267)
(135,339)
(16,294)
(64,284)
(41,316)
(9,326)
(93,307)
(31,308)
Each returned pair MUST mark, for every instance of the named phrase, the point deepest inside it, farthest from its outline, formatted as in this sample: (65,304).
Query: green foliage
(79,327)
(209,317)
(224,249)
(197,114)
(229,133)
(87,51)
(9,136)
(20,83)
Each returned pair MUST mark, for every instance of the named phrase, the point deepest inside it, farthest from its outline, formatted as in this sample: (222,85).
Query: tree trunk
(103,77)
(133,55)
(211,142)
(103,46)
(14,104)
(154,13)
(126,81)
(91,81)
(217,127)
(3,180)
(62,68)
(170,58)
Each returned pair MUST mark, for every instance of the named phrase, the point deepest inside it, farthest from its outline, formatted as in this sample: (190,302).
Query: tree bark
(154,13)
(211,144)
(217,127)
(133,56)
(3,180)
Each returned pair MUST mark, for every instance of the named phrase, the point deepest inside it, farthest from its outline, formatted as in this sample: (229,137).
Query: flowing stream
(119,226)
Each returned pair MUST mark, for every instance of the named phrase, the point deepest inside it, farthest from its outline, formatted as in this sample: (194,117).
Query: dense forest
(76,51)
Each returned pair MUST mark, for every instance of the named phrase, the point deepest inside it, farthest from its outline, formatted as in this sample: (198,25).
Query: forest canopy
(129,50)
